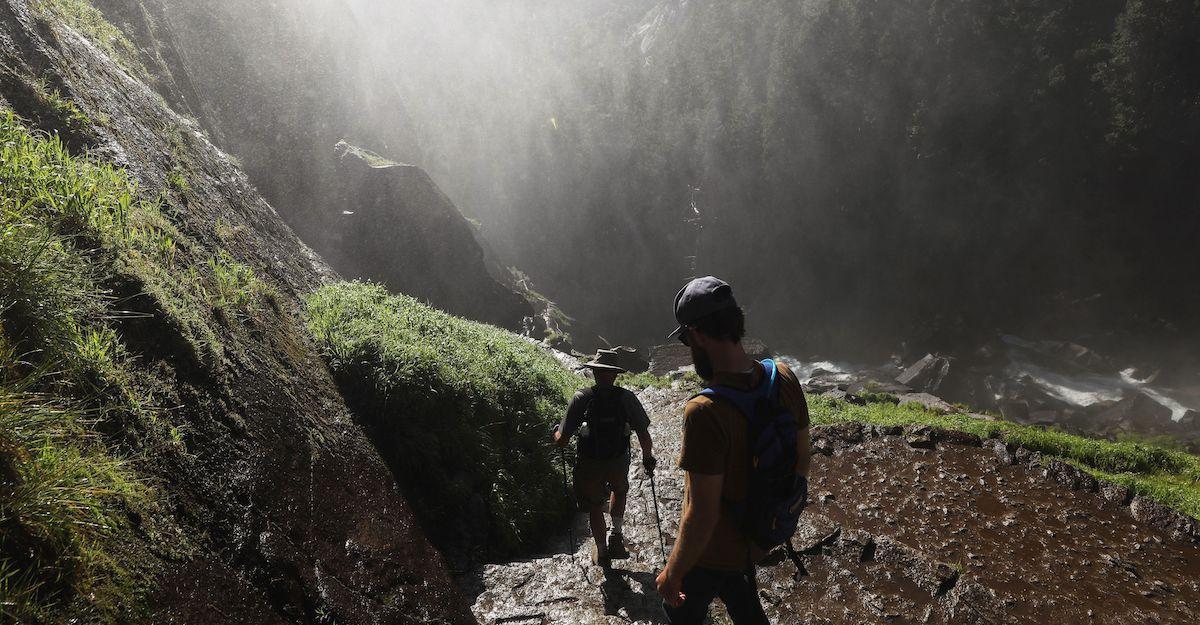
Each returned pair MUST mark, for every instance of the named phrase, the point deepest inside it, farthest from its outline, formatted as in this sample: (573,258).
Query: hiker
(603,416)
(723,530)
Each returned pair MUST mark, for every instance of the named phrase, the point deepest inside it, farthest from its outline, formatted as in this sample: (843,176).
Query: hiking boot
(616,547)
(600,556)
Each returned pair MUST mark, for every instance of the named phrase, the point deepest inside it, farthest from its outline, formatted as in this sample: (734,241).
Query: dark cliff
(394,226)
(279,91)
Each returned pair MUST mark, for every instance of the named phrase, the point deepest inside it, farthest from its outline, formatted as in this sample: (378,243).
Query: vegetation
(1169,476)
(66,541)
(649,380)
(89,22)
(460,409)
(67,111)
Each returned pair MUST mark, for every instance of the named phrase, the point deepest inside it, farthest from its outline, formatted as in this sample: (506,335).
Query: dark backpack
(607,434)
(775,494)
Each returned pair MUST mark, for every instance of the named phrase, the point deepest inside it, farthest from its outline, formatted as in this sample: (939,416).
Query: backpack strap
(747,401)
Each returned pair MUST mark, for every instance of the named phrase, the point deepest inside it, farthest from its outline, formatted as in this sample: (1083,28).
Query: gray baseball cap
(701,298)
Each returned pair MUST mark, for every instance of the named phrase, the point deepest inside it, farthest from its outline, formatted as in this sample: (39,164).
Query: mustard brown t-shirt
(714,443)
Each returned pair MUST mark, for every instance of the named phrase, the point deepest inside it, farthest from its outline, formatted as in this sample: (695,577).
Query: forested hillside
(1010,157)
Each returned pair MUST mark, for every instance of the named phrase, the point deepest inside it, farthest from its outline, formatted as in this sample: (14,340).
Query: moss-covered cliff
(172,447)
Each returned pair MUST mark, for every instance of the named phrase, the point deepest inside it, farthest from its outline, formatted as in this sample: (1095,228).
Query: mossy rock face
(156,368)
(462,412)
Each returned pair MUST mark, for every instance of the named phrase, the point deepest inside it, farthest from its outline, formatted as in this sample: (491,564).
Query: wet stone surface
(949,530)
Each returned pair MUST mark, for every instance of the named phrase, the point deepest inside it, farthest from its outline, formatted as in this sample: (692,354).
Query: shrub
(459,408)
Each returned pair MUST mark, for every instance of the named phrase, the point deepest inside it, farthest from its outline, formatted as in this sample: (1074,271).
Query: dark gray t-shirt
(639,421)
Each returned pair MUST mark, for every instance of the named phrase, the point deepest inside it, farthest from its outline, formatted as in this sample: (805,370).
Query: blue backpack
(775,493)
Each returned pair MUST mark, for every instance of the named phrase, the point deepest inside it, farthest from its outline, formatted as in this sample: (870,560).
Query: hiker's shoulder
(704,407)
(626,393)
(786,374)
(582,394)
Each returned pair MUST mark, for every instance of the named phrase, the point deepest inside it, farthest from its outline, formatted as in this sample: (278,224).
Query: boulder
(1138,412)
(1190,422)
(920,437)
(926,374)
(822,381)
(932,402)
(871,386)
(631,360)
(670,357)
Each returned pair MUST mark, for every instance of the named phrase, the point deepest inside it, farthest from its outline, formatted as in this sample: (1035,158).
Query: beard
(704,366)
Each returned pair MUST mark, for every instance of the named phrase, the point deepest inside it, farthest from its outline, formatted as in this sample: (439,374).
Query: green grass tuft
(66,110)
(462,409)
(635,381)
(1165,475)
(90,22)
(67,545)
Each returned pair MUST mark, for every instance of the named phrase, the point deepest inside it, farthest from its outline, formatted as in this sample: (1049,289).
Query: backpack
(607,432)
(775,494)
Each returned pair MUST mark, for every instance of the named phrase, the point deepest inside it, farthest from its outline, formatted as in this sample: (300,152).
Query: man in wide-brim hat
(603,416)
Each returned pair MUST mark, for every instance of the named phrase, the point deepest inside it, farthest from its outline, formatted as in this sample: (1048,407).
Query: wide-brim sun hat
(606,360)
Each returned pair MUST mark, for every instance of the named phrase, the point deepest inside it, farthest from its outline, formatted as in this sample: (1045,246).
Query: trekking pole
(562,455)
(662,547)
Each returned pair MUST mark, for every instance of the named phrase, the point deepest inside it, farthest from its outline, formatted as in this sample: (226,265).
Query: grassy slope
(459,408)
(77,416)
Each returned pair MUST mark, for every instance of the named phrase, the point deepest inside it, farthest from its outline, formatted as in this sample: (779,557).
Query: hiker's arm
(803,452)
(695,530)
(644,441)
(571,421)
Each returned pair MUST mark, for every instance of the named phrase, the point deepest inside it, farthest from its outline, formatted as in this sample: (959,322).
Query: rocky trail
(904,526)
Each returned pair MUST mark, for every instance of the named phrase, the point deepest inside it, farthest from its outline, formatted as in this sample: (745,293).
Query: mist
(871,177)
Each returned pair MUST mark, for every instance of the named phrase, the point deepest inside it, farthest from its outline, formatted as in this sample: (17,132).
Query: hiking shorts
(595,479)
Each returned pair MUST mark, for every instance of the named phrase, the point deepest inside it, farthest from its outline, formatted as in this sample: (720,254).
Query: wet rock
(1025,456)
(932,402)
(875,388)
(956,437)
(1070,476)
(814,533)
(1137,413)
(840,433)
(669,357)
(1116,493)
(631,360)
(834,394)
(297,461)
(1002,452)
(822,381)
(926,374)
(1157,515)
(920,436)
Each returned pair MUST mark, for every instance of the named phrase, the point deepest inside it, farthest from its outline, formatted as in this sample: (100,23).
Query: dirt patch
(1025,545)
(904,526)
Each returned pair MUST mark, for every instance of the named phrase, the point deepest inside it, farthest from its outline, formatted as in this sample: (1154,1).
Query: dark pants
(736,590)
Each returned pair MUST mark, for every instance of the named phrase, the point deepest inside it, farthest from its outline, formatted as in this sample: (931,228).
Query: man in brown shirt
(712,556)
